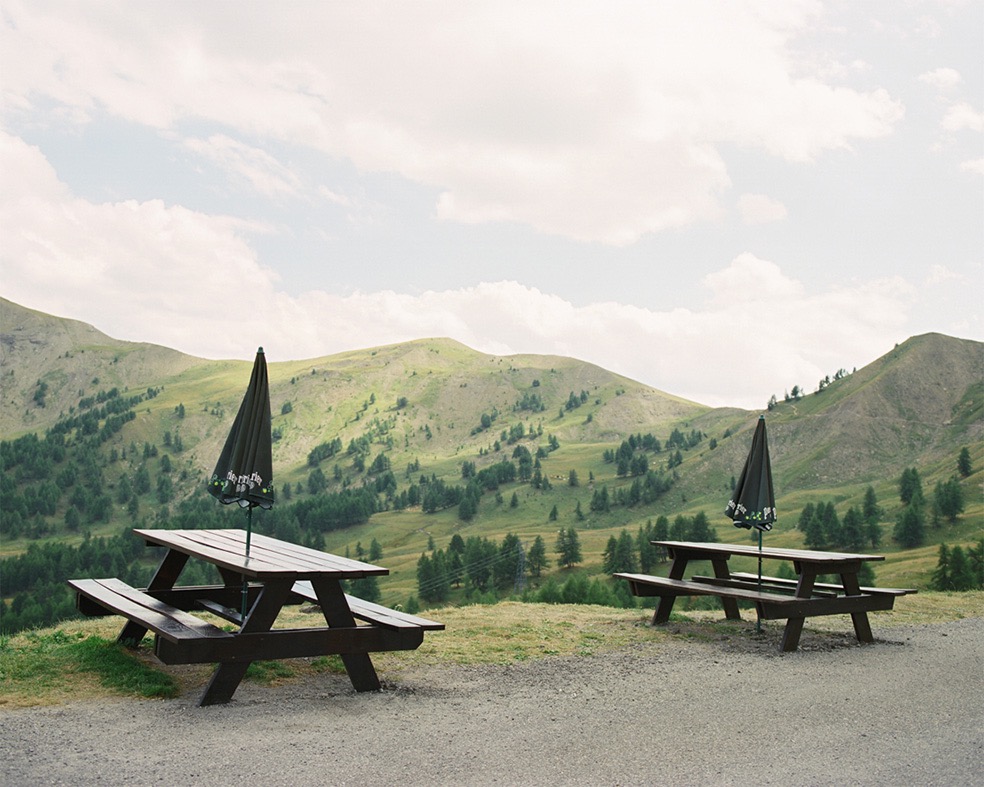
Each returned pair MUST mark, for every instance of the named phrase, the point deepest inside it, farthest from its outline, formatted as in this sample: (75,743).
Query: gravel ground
(907,710)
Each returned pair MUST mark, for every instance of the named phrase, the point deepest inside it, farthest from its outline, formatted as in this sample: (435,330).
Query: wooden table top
(268,558)
(749,550)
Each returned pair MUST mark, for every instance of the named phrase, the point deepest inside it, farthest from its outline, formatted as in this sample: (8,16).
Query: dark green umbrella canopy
(244,472)
(753,503)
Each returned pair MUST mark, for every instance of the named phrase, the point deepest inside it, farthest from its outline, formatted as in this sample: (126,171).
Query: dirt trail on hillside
(908,709)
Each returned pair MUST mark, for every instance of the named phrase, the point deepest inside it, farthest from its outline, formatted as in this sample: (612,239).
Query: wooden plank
(318,562)
(370,612)
(663,586)
(302,559)
(187,597)
(268,557)
(816,607)
(292,643)
(824,585)
(164,620)
(221,552)
(367,610)
(776,553)
(221,610)
(752,584)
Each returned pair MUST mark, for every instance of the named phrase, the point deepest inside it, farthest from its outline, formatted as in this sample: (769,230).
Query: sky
(719,199)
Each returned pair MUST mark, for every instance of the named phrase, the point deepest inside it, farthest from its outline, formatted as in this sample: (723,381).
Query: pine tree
(948,499)
(625,558)
(852,535)
(975,556)
(964,466)
(815,536)
(941,574)
(961,574)
(805,516)
(568,547)
(536,558)
(910,527)
(870,509)
(647,552)
(910,485)
(609,557)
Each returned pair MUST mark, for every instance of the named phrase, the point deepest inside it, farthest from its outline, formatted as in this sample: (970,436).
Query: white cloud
(963,117)
(973,165)
(760,209)
(590,124)
(146,270)
(191,281)
(943,80)
(938,274)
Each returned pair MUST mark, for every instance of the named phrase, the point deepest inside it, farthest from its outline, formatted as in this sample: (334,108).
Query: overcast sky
(718,199)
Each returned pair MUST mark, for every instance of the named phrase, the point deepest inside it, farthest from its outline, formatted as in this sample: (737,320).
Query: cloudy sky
(719,199)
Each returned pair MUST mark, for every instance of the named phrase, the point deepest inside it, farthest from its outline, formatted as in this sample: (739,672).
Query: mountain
(915,405)
(72,358)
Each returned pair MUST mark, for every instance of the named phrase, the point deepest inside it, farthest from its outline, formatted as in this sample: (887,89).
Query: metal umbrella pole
(758,618)
(245,598)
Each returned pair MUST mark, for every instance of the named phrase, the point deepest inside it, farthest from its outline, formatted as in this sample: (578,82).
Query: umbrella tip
(259,350)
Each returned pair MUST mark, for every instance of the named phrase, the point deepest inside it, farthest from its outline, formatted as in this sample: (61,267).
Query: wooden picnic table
(274,574)
(775,598)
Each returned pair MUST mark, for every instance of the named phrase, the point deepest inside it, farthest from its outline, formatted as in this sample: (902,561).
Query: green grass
(49,662)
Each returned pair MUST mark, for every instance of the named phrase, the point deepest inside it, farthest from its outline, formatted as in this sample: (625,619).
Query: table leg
(862,628)
(163,579)
(331,599)
(665,604)
(228,675)
(730,604)
(794,626)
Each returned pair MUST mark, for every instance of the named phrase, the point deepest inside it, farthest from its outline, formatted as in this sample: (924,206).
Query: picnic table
(775,598)
(274,574)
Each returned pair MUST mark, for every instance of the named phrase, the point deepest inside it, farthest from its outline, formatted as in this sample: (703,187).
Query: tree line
(959,569)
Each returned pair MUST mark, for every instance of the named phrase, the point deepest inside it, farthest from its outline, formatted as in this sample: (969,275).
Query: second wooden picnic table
(774,597)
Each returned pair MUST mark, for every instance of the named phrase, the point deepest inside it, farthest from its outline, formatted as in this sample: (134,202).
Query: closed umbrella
(244,472)
(753,503)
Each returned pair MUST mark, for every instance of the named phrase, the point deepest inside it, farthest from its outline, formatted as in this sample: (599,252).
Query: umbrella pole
(249,530)
(758,621)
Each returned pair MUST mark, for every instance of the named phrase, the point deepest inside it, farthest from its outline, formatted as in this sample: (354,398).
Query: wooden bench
(769,604)
(819,587)
(376,614)
(645,585)
(189,637)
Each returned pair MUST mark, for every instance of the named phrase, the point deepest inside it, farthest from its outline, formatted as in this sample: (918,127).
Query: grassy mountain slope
(913,407)
(71,357)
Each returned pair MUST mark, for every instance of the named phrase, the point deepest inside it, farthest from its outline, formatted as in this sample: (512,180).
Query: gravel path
(908,710)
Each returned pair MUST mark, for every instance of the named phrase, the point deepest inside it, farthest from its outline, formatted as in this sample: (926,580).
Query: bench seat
(369,612)
(188,635)
(770,605)
(822,586)
(645,585)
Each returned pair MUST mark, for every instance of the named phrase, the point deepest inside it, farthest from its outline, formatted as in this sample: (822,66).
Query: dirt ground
(908,709)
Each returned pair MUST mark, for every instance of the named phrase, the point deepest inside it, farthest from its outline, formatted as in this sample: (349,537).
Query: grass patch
(269,672)
(40,667)
(120,670)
